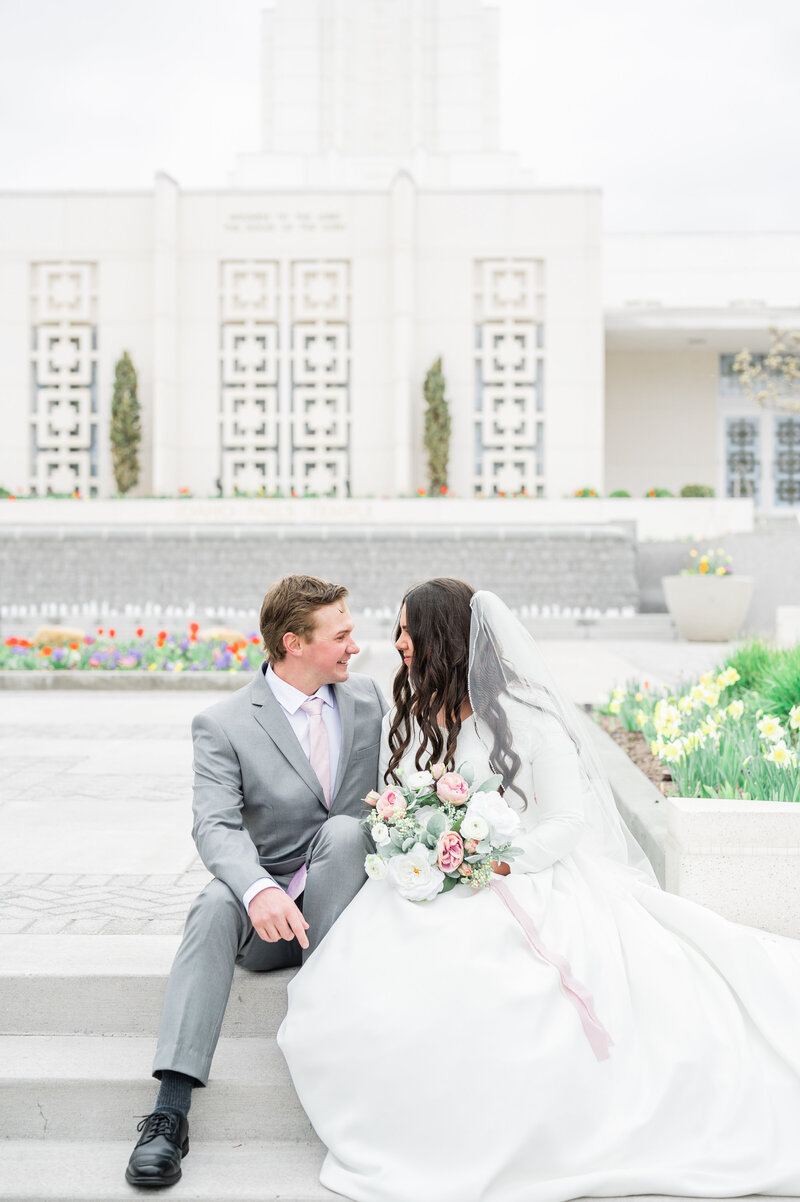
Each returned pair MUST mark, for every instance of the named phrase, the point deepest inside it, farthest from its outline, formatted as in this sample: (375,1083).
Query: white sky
(683,111)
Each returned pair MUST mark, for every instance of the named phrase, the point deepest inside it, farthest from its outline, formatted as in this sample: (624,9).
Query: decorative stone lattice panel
(250,415)
(285,369)
(742,458)
(64,409)
(320,400)
(509,403)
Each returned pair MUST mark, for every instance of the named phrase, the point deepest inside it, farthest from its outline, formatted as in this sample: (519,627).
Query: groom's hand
(275,916)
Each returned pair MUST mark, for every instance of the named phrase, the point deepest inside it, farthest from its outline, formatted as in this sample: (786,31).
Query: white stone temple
(282,325)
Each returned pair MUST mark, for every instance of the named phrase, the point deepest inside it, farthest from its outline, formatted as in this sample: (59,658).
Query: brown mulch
(637,749)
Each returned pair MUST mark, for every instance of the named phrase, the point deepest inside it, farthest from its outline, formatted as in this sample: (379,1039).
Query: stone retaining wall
(195,567)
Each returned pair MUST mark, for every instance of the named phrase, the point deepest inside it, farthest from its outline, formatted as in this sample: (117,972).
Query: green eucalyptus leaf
(437,825)
(467,771)
(490,785)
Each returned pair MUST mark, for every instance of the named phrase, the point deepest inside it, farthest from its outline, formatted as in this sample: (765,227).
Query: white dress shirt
(290,700)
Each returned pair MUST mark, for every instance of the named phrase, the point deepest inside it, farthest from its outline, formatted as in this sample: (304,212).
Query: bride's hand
(500,868)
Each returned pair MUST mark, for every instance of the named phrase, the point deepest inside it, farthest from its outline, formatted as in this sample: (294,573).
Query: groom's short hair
(290,607)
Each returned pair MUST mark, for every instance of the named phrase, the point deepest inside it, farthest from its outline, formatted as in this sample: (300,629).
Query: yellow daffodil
(673,751)
(641,717)
(685,704)
(639,697)
(736,709)
(728,677)
(711,695)
(794,717)
(780,754)
(770,728)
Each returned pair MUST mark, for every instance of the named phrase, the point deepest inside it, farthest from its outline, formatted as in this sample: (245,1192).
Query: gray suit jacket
(257,802)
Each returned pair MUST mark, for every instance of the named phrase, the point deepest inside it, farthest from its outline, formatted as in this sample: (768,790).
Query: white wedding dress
(439,1059)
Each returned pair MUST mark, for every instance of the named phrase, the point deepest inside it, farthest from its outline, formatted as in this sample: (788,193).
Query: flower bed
(728,744)
(53,649)
(734,733)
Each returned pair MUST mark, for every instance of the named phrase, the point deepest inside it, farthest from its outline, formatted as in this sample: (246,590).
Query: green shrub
(619,492)
(659,492)
(586,492)
(752,661)
(437,430)
(697,490)
(4,492)
(126,427)
(779,687)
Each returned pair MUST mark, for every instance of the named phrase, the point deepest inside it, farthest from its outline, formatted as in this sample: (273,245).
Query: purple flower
(58,654)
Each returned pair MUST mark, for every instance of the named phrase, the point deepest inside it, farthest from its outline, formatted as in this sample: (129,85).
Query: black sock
(175,1092)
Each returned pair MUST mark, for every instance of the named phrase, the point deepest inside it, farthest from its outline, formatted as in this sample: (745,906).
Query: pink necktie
(319,754)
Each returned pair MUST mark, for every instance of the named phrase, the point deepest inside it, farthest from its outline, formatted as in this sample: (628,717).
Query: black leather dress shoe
(156,1159)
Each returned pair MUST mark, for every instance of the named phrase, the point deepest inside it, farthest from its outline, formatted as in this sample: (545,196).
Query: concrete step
(32,1171)
(65,1087)
(93,1171)
(101,985)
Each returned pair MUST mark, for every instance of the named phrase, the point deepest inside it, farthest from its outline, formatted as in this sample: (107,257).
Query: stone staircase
(79,1016)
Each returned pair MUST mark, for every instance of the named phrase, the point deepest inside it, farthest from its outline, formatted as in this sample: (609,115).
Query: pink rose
(372,798)
(471,846)
(437,770)
(453,788)
(391,804)
(449,851)
(465,869)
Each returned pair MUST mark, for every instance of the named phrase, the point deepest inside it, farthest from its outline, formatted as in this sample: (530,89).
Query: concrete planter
(708,609)
(739,858)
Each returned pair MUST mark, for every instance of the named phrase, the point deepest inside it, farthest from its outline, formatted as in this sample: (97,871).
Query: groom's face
(327,652)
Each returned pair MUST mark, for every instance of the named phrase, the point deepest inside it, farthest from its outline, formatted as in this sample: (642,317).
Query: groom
(280,768)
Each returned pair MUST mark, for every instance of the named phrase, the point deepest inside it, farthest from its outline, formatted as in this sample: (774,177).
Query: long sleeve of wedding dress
(553,821)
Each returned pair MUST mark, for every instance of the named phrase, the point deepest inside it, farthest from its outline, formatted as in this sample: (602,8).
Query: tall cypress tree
(126,428)
(437,429)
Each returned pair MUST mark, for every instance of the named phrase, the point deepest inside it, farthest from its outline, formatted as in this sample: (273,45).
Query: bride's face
(404,644)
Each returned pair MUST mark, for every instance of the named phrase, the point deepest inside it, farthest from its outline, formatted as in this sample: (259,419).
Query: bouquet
(435,831)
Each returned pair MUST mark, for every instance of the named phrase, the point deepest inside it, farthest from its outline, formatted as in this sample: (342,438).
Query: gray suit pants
(218,934)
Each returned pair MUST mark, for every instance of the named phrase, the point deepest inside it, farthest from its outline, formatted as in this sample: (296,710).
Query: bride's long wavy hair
(436,686)
(438,619)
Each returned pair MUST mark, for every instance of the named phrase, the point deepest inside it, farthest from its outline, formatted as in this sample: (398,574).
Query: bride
(571,1031)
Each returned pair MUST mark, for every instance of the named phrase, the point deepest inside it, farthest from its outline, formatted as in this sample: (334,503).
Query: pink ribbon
(576,993)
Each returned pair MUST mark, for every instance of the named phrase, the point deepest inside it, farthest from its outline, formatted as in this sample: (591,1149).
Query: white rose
(375,868)
(380,834)
(420,781)
(503,822)
(474,826)
(413,875)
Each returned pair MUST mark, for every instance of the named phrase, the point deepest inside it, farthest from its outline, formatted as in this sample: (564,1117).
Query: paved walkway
(95,789)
